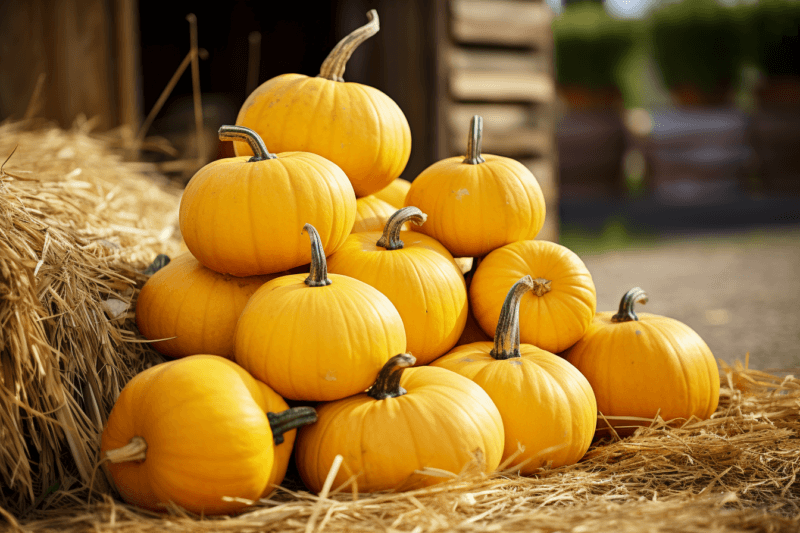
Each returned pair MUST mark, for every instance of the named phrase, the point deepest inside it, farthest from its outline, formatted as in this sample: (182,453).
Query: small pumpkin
(196,430)
(372,214)
(419,276)
(409,420)
(320,337)
(643,365)
(395,193)
(241,215)
(556,313)
(478,203)
(356,126)
(193,307)
(547,406)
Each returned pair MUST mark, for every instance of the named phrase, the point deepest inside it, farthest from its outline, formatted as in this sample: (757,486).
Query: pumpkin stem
(290,419)
(506,337)
(318,276)
(626,313)
(135,450)
(333,66)
(391,232)
(158,263)
(387,384)
(474,141)
(541,286)
(242,134)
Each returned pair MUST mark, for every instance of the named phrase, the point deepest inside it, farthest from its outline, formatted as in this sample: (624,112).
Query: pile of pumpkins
(315,275)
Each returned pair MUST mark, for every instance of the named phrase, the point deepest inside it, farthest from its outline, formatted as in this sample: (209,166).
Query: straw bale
(78,225)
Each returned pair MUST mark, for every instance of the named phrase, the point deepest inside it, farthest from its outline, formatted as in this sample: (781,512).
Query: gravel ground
(739,291)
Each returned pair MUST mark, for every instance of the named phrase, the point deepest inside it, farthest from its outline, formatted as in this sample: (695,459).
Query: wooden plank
(498,86)
(500,60)
(500,117)
(126,15)
(503,22)
(510,143)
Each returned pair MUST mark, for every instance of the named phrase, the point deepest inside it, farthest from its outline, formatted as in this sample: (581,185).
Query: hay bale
(77,227)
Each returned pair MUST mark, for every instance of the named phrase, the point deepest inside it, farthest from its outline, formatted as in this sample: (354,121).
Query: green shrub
(773,36)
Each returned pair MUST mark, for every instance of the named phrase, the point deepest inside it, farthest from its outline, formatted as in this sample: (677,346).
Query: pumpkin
(556,313)
(645,365)
(419,276)
(478,203)
(320,337)
(395,193)
(409,420)
(196,430)
(193,307)
(548,407)
(372,214)
(241,215)
(356,126)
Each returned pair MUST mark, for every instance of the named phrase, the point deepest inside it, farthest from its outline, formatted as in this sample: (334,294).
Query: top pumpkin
(356,126)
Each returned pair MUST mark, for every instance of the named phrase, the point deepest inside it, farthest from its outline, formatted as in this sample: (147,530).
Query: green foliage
(773,36)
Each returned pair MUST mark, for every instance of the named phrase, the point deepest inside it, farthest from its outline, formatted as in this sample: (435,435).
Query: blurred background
(665,134)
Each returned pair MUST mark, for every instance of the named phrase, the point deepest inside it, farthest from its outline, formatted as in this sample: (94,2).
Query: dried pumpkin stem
(541,286)
(242,134)
(387,384)
(391,232)
(333,66)
(626,312)
(135,450)
(290,419)
(506,337)
(158,263)
(474,141)
(318,276)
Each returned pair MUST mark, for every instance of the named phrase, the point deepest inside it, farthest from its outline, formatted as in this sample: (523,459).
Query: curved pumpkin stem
(391,232)
(158,263)
(474,141)
(626,312)
(318,276)
(333,66)
(242,134)
(506,337)
(135,450)
(290,419)
(387,384)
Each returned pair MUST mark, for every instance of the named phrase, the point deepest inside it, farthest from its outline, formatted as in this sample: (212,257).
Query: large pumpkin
(317,337)
(356,126)
(643,365)
(478,203)
(417,274)
(409,420)
(395,193)
(556,313)
(242,215)
(193,307)
(548,407)
(195,431)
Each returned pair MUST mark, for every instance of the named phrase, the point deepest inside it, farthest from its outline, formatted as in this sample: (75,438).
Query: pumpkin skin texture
(642,365)
(480,203)
(204,423)
(556,313)
(431,417)
(417,274)
(320,337)
(196,305)
(547,406)
(395,193)
(356,126)
(240,217)
(372,214)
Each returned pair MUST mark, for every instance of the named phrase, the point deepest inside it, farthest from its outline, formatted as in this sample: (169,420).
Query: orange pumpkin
(417,274)
(645,365)
(395,193)
(409,420)
(356,126)
(195,430)
(480,203)
(372,214)
(241,215)
(557,312)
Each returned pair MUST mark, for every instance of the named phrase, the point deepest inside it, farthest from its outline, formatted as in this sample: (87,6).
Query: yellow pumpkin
(356,126)
(480,203)
(417,274)
(645,365)
(195,430)
(395,193)
(241,215)
(372,214)
(548,407)
(557,312)
(317,338)
(409,420)
(193,307)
